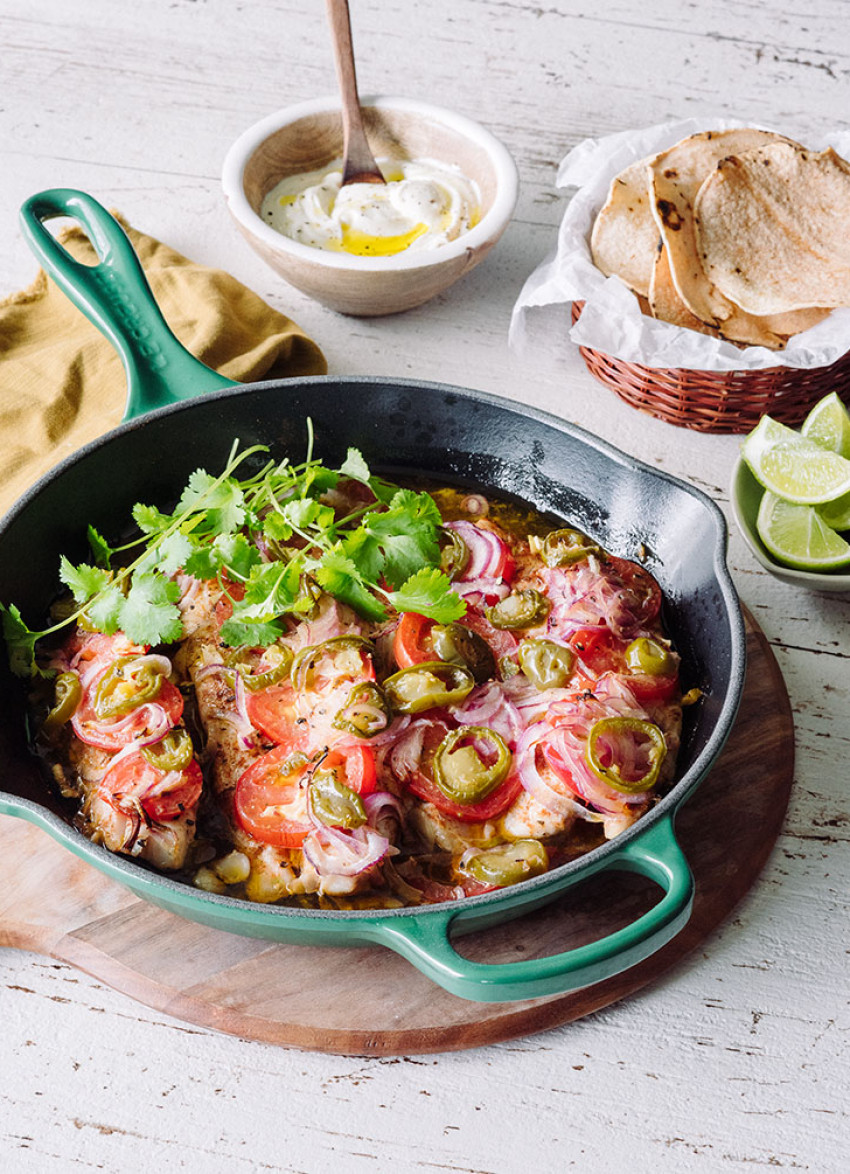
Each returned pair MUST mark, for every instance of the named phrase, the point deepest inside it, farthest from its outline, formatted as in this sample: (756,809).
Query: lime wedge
(797,536)
(836,513)
(794,467)
(828,424)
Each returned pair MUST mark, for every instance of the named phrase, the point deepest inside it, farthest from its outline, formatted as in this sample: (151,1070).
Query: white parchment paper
(611,321)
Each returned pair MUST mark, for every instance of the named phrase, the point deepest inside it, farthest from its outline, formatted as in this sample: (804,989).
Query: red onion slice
(392,733)
(334,619)
(481,591)
(147,724)
(586,597)
(170,781)
(533,780)
(238,717)
(488,706)
(382,807)
(486,551)
(559,747)
(480,705)
(98,651)
(333,852)
(404,757)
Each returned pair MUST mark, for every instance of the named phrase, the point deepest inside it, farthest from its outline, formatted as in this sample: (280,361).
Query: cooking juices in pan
(307,685)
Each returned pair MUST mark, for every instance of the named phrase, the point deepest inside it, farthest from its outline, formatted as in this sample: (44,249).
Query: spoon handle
(359,163)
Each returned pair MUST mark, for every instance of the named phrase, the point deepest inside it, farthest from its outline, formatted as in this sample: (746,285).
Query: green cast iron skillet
(181,416)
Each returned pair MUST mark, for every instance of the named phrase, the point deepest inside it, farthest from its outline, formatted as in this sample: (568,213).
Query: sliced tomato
(560,767)
(598,652)
(357,764)
(135,776)
(501,641)
(88,647)
(491,807)
(117,732)
(584,641)
(652,690)
(411,644)
(272,712)
(223,609)
(506,569)
(263,794)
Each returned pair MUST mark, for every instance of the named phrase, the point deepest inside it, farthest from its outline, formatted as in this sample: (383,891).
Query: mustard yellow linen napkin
(62,384)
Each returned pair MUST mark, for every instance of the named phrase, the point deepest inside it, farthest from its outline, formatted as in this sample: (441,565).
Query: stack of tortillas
(741,234)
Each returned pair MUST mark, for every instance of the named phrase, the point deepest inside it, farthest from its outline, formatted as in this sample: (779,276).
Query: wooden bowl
(308,136)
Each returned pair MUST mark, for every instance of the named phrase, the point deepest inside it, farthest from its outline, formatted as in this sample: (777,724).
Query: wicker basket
(718,401)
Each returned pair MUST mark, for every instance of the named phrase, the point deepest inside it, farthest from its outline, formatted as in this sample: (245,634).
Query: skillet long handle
(424,940)
(115,297)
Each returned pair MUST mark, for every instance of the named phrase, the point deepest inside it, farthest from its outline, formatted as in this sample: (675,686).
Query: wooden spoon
(359,164)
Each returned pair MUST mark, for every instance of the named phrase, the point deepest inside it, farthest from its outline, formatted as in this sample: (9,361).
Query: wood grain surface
(310,997)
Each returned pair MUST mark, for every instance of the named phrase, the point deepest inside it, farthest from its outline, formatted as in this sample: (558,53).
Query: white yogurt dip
(423,205)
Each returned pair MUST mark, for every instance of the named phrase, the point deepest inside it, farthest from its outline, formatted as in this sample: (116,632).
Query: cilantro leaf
(385,552)
(318,480)
(100,548)
(384,491)
(105,609)
(407,553)
(20,642)
(271,590)
(420,507)
(305,512)
(395,543)
(149,519)
(355,467)
(255,635)
(222,502)
(238,556)
(227,552)
(429,593)
(204,563)
(340,576)
(365,553)
(276,527)
(149,614)
(173,552)
(84,581)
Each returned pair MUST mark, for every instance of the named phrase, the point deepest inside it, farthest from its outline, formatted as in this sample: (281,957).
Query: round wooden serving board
(369,1000)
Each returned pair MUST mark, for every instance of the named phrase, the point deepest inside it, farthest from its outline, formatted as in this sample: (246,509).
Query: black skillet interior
(403,428)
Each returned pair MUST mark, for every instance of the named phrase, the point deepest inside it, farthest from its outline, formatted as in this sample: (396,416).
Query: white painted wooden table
(740,1057)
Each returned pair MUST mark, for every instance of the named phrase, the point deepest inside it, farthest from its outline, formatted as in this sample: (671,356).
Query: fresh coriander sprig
(383,554)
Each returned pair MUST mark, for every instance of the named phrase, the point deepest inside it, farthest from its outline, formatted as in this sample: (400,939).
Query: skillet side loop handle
(424,941)
(115,297)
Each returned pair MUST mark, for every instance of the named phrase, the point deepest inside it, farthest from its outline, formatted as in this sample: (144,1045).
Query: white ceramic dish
(307,136)
(746,493)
